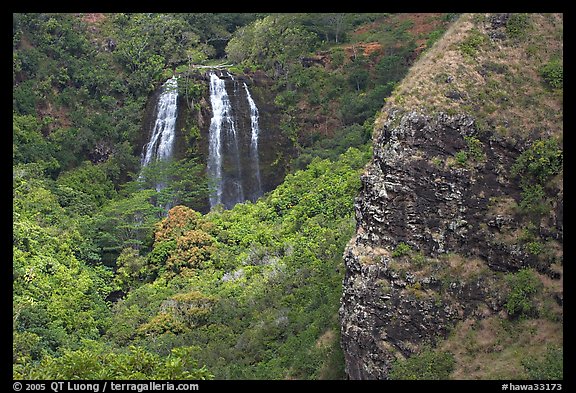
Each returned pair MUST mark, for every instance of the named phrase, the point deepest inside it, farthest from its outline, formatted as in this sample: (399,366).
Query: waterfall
(219,153)
(233,162)
(254,115)
(161,142)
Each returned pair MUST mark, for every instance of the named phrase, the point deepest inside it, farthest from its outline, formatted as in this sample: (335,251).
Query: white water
(222,121)
(233,155)
(161,141)
(254,117)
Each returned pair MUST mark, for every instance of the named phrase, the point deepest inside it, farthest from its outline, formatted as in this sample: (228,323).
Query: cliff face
(438,220)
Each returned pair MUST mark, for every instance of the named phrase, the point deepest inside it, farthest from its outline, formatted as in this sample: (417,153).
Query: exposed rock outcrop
(414,192)
(439,225)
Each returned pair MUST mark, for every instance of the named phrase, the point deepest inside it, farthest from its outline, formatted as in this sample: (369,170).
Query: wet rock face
(415,192)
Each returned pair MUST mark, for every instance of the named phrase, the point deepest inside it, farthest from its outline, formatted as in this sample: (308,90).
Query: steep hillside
(456,267)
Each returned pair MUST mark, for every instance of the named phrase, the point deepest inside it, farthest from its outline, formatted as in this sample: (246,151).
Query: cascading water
(233,162)
(254,115)
(161,142)
(223,147)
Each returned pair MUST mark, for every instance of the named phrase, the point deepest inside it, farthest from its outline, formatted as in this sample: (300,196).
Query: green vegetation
(524,285)
(550,366)
(517,25)
(330,101)
(497,63)
(553,74)
(538,163)
(108,287)
(500,348)
(286,247)
(401,249)
(471,45)
(425,365)
(535,167)
(258,285)
(473,154)
(263,278)
(95,361)
(507,71)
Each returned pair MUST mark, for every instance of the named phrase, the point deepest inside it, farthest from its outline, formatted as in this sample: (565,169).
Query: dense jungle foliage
(107,284)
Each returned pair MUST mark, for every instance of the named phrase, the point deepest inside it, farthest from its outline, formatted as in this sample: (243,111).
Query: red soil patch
(365,47)
(371,47)
(423,23)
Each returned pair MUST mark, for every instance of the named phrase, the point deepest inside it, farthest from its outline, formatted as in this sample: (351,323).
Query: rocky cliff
(444,217)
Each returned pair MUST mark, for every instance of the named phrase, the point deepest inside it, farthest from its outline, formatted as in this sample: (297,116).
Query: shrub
(542,160)
(461,157)
(532,200)
(472,43)
(401,250)
(553,74)
(517,25)
(427,365)
(475,148)
(523,286)
(534,248)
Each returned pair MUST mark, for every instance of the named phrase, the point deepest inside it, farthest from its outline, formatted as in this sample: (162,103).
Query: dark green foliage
(553,74)
(533,201)
(357,108)
(352,136)
(127,222)
(548,367)
(28,143)
(517,25)
(274,42)
(472,43)
(542,160)
(401,249)
(25,98)
(391,68)
(104,287)
(183,182)
(96,361)
(535,167)
(272,280)
(427,365)
(358,74)
(58,300)
(89,180)
(523,285)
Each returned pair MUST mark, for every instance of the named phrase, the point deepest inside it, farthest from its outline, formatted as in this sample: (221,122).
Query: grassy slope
(510,97)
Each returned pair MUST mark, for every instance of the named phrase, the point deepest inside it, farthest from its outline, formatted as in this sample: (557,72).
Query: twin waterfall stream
(233,164)
(161,143)
(236,179)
